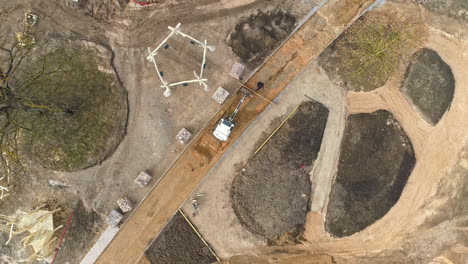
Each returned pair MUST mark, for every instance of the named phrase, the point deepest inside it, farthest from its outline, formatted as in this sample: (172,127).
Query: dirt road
(281,68)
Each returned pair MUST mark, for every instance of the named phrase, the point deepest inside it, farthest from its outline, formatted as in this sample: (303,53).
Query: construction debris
(143,179)
(195,204)
(114,218)
(183,136)
(25,39)
(125,204)
(237,70)
(3,190)
(58,184)
(220,95)
(40,226)
(30,19)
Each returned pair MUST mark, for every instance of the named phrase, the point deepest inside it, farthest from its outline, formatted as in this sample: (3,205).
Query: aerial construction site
(234,131)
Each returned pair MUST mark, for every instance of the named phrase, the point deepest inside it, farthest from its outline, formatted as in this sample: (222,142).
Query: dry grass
(375,47)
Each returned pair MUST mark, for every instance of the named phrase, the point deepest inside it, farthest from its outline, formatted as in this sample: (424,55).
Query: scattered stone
(220,95)
(237,70)
(125,204)
(58,184)
(183,136)
(114,218)
(143,179)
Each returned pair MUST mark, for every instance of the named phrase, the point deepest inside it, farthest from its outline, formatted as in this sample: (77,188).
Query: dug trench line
(204,151)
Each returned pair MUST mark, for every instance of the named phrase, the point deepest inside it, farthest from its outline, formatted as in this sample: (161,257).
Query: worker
(260,85)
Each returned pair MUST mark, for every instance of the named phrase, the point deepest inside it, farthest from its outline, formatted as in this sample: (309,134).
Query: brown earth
(81,233)
(429,85)
(258,35)
(375,162)
(271,193)
(178,243)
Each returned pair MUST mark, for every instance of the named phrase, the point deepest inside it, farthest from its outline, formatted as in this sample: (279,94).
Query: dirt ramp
(375,162)
(429,84)
(271,193)
(255,37)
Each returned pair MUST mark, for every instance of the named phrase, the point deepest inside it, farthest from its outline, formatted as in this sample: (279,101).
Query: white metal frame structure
(198,77)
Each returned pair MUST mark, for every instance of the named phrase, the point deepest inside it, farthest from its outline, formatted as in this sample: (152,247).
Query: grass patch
(372,49)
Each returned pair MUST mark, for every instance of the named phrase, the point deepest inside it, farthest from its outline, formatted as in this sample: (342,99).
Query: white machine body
(223,129)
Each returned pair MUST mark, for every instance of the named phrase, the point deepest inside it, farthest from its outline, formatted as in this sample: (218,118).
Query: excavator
(225,125)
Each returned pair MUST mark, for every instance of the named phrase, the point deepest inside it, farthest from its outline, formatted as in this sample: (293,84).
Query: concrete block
(183,136)
(220,95)
(237,70)
(125,204)
(143,179)
(114,218)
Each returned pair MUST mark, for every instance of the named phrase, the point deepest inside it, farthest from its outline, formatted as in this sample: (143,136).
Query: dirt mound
(77,108)
(255,37)
(271,193)
(375,163)
(178,243)
(429,84)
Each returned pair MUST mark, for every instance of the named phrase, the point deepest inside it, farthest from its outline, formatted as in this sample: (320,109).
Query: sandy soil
(427,221)
(437,150)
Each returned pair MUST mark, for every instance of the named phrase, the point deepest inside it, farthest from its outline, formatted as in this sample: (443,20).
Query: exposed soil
(80,235)
(429,84)
(92,104)
(271,193)
(178,243)
(452,8)
(258,35)
(375,163)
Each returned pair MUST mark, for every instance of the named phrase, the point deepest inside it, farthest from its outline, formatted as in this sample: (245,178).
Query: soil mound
(375,162)
(255,37)
(429,84)
(271,193)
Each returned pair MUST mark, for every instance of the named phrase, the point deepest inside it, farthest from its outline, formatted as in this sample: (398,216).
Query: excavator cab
(225,125)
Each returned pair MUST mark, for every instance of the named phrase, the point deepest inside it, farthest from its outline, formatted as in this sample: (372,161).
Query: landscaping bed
(271,193)
(178,243)
(375,162)
(429,84)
